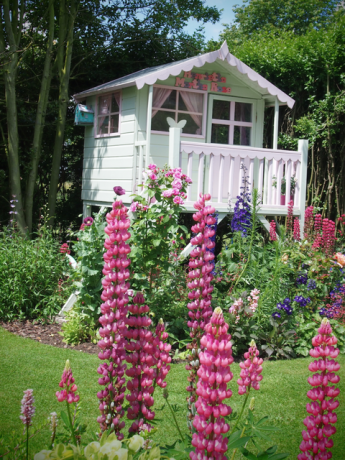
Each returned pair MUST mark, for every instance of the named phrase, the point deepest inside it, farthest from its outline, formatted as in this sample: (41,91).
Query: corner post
(276,124)
(174,146)
(148,126)
(303,149)
(86,210)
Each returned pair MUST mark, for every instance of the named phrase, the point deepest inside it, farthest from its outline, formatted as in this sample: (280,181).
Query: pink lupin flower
(114,310)
(214,374)
(27,408)
(273,233)
(296,230)
(69,388)
(200,277)
(148,357)
(316,439)
(251,369)
(308,222)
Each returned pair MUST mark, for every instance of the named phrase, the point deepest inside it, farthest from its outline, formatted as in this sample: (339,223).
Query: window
(231,122)
(108,114)
(179,105)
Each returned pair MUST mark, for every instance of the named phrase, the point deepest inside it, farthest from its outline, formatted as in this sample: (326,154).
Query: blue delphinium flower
(276,314)
(283,306)
(302,279)
(241,220)
(311,285)
(301,300)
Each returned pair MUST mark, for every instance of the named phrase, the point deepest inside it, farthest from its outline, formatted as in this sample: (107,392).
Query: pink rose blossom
(177,183)
(134,206)
(168,193)
(178,200)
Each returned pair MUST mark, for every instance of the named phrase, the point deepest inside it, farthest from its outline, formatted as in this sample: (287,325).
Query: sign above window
(192,80)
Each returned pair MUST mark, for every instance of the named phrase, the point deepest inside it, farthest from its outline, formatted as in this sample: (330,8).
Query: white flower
(91,449)
(136,442)
(112,449)
(120,454)
(43,455)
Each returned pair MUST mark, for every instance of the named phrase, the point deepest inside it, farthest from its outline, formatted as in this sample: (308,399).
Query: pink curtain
(104,109)
(194,103)
(160,95)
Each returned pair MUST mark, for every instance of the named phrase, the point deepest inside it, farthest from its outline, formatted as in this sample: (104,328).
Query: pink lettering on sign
(179,82)
(213,77)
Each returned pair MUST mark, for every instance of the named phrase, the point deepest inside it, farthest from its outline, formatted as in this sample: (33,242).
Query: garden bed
(48,334)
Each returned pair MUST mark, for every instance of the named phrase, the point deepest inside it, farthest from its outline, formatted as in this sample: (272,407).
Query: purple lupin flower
(27,409)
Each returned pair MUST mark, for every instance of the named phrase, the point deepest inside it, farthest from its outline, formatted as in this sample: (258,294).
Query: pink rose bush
(320,423)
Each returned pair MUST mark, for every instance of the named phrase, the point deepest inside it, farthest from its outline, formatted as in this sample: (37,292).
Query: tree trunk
(64,67)
(13,29)
(40,120)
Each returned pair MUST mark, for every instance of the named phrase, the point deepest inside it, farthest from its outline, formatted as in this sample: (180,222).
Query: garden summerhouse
(137,120)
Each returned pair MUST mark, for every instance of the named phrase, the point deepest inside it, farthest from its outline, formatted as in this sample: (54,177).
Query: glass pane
(103,125)
(242,135)
(159,120)
(193,125)
(103,105)
(114,123)
(114,105)
(170,102)
(220,134)
(243,112)
(221,110)
(190,102)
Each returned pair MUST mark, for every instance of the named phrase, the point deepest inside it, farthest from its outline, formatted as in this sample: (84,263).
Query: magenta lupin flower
(200,277)
(328,236)
(296,230)
(27,409)
(214,375)
(69,388)
(308,222)
(273,233)
(148,357)
(251,369)
(114,310)
(320,423)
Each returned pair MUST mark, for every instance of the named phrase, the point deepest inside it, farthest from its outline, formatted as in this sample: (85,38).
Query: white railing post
(303,149)
(174,146)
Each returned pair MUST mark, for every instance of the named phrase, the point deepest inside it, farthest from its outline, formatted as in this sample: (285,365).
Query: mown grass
(28,364)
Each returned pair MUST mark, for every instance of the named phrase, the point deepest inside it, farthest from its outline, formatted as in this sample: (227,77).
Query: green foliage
(34,275)
(79,327)
(89,249)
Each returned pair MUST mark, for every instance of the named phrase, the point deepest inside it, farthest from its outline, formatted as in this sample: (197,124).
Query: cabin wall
(108,161)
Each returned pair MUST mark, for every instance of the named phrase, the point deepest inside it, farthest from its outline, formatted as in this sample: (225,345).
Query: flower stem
(235,450)
(252,234)
(71,425)
(27,442)
(172,412)
(241,413)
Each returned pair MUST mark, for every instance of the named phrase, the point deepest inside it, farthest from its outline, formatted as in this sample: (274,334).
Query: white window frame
(110,113)
(231,123)
(204,112)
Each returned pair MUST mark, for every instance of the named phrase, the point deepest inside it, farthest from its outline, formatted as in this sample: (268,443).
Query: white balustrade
(221,175)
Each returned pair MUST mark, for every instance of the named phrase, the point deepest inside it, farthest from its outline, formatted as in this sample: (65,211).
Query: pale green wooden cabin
(222,101)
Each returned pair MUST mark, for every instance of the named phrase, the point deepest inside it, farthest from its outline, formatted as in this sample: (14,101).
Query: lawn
(28,364)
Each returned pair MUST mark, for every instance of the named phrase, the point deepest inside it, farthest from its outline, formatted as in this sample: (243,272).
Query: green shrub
(78,328)
(34,279)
